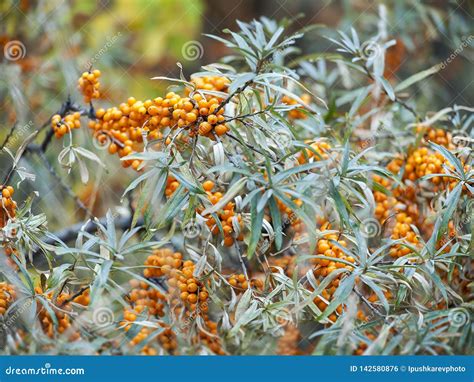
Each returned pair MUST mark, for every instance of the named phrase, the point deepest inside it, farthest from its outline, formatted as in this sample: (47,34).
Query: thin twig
(7,138)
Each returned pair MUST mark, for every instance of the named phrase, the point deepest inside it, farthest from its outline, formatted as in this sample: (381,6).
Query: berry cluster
(83,299)
(285,262)
(8,206)
(89,85)
(290,217)
(438,136)
(61,307)
(171,186)
(390,209)
(362,346)
(210,338)
(7,211)
(143,299)
(166,338)
(229,220)
(319,150)
(124,127)
(7,295)
(186,294)
(62,126)
(161,262)
(330,248)
(239,281)
(403,230)
(192,292)
(211,83)
(297,113)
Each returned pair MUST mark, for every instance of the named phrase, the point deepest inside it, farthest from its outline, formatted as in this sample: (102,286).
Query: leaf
(256,222)
(340,296)
(100,281)
(377,290)
(276,220)
(417,77)
(200,266)
(450,157)
(229,195)
(240,80)
(451,205)
(243,304)
(88,154)
(387,87)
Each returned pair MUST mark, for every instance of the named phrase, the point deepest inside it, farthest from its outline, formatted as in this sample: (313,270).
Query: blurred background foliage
(131,41)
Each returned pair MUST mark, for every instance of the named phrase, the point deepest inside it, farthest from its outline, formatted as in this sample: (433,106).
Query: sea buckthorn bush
(280,203)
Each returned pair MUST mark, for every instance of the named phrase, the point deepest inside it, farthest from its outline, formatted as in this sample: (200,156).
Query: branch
(66,107)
